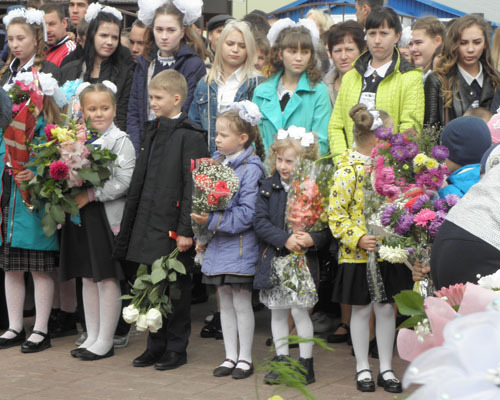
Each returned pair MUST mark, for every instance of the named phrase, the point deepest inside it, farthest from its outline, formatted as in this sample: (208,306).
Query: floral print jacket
(345,212)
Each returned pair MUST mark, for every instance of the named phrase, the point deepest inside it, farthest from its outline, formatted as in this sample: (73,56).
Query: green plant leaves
(158,275)
(89,175)
(410,303)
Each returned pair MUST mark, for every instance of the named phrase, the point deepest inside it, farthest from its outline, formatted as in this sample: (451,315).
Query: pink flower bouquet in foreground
(64,166)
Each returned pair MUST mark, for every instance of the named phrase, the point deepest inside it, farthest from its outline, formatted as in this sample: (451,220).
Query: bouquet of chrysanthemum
(214,187)
(152,293)
(65,165)
(307,206)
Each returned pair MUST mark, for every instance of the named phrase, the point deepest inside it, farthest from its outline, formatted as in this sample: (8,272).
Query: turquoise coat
(24,227)
(309,107)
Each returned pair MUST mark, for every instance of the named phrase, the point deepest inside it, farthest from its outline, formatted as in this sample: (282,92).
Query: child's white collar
(232,157)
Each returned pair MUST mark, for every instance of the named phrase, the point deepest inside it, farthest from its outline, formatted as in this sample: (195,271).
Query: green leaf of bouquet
(153,295)
(164,299)
(90,176)
(146,278)
(143,269)
(126,297)
(157,265)
(49,225)
(177,266)
(57,213)
(412,321)
(172,277)
(40,169)
(158,275)
(410,303)
(139,284)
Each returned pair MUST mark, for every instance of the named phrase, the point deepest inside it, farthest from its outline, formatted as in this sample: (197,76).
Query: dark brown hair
(363,121)
(241,126)
(337,34)
(293,38)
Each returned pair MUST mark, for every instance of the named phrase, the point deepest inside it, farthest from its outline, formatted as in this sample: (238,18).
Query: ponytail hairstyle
(89,50)
(97,87)
(241,126)
(191,37)
(363,122)
(310,152)
(37,32)
(248,65)
(293,38)
(446,69)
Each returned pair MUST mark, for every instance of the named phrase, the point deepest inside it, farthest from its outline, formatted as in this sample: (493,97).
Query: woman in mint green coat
(294,93)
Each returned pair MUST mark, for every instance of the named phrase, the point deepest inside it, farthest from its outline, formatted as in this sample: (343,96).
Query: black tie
(475,86)
(284,101)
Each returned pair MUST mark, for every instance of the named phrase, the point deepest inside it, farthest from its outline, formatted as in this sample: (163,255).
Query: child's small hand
(184,243)
(419,271)
(82,199)
(293,243)
(368,242)
(305,239)
(201,219)
(24,175)
(200,248)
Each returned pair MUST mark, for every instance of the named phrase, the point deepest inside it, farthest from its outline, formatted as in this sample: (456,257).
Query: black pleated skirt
(86,248)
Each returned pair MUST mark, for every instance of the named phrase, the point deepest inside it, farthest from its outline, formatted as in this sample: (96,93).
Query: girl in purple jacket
(231,255)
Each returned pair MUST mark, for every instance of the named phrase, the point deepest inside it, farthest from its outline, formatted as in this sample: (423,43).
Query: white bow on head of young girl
(32,17)
(284,23)
(248,111)
(297,133)
(95,9)
(377,121)
(191,9)
(110,85)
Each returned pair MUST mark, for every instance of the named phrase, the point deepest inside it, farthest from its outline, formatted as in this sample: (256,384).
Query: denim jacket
(199,112)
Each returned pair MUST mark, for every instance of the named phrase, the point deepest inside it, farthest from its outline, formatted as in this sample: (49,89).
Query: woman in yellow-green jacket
(381,80)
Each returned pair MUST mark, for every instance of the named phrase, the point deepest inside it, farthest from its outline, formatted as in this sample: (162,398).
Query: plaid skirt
(16,259)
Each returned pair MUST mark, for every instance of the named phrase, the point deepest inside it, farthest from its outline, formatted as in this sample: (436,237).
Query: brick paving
(55,375)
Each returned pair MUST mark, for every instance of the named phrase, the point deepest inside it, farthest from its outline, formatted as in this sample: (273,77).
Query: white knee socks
(14,295)
(109,314)
(360,334)
(385,329)
(305,330)
(44,293)
(279,329)
(90,295)
(229,324)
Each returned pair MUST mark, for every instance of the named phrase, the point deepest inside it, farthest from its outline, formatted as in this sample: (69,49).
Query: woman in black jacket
(104,58)
(464,76)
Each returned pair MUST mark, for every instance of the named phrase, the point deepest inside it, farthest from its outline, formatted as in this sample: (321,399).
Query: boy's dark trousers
(175,331)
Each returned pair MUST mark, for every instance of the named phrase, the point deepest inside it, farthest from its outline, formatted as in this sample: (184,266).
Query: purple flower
(436,223)
(387,214)
(440,204)
(383,133)
(400,153)
(419,203)
(404,224)
(412,149)
(397,139)
(410,250)
(432,179)
(452,199)
(440,152)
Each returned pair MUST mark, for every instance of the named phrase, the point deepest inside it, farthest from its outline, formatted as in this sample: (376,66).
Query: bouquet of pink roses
(65,165)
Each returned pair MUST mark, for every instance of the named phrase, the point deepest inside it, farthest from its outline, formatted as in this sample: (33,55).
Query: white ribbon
(111,86)
(81,88)
(248,111)
(95,8)
(284,23)
(48,85)
(307,139)
(31,16)
(377,121)
(296,133)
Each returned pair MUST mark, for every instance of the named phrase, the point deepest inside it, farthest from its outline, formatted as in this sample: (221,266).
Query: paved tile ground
(54,375)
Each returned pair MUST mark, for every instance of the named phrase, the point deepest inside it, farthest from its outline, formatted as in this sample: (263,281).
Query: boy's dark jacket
(159,197)
(269,225)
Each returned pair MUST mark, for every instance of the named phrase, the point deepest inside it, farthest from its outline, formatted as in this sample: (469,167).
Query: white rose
(154,320)
(141,324)
(130,314)
(491,282)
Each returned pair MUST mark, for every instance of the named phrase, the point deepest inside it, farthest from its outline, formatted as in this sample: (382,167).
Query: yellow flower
(420,160)
(405,167)
(276,397)
(431,163)
(62,134)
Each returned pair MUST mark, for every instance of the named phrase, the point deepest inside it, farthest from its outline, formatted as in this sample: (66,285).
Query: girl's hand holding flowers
(293,243)
(82,199)
(184,243)
(24,175)
(419,271)
(201,218)
(200,248)
(368,242)
(305,239)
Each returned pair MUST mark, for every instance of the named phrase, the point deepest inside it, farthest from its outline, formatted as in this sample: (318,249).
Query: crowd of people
(160,95)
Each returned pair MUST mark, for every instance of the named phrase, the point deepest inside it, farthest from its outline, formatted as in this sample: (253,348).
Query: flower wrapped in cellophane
(214,185)
(65,166)
(307,207)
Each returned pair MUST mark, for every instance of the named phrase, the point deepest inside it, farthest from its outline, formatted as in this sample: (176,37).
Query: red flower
(222,189)
(203,182)
(48,129)
(58,170)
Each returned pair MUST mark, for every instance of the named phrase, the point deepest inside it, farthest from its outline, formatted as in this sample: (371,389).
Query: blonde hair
(310,152)
(363,121)
(480,112)
(97,87)
(322,20)
(248,65)
(51,112)
(495,49)
(241,126)
(171,81)
(37,32)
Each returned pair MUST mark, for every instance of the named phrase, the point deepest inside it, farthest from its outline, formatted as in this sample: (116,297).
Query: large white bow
(297,133)
(284,23)
(377,121)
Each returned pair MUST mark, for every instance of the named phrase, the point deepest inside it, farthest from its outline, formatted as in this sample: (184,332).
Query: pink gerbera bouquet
(65,165)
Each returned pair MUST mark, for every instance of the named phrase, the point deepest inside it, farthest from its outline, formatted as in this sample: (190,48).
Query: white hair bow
(284,23)
(84,85)
(32,17)
(377,121)
(296,133)
(95,8)
(248,111)
(48,85)
(191,9)
(405,38)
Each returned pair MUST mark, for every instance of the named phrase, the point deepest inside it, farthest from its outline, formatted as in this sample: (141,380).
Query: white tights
(15,293)
(280,331)
(237,320)
(385,327)
(102,311)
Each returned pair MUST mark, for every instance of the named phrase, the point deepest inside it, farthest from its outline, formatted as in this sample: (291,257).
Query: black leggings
(458,256)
